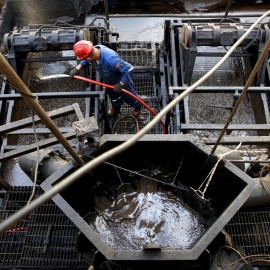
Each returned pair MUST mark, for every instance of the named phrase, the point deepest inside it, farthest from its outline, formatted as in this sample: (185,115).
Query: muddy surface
(231,73)
(52,77)
(147,216)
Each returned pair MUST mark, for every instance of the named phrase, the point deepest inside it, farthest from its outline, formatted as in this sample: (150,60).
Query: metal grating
(139,54)
(11,243)
(231,73)
(26,248)
(251,231)
(144,84)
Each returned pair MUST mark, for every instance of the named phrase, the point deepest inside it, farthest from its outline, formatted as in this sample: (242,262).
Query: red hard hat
(83,48)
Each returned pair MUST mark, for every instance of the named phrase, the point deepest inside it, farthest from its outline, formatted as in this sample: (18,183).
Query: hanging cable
(250,256)
(219,261)
(228,8)
(210,175)
(141,175)
(66,182)
(253,40)
(36,168)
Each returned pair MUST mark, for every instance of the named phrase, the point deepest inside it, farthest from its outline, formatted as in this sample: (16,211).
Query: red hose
(126,92)
(16,229)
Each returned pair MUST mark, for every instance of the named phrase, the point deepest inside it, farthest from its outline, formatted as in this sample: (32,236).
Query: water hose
(124,91)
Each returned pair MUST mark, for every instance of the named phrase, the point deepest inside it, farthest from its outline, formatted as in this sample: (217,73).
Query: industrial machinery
(188,43)
(169,201)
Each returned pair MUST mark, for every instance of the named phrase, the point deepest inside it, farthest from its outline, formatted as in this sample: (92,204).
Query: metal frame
(157,255)
(18,127)
(235,140)
(185,59)
(210,16)
(48,240)
(7,100)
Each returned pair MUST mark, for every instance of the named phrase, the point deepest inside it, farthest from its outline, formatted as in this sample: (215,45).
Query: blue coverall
(113,70)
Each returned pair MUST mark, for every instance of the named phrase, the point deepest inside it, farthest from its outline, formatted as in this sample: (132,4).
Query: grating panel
(138,54)
(144,84)
(28,248)
(251,231)
(11,243)
(231,73)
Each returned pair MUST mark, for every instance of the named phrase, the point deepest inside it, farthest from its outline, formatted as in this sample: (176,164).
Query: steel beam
(17,83)
(248,140)
(256,127)
(28,121)
(27,131)
(49,59)
(33,147)
(220,54)
(190,16)
(218,89)
(53,95)
(174,75)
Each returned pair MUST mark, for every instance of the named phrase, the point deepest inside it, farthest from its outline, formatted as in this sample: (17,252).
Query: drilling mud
(147,216)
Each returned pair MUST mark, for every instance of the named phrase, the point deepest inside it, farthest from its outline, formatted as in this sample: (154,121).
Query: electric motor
(221,34)
(43,39)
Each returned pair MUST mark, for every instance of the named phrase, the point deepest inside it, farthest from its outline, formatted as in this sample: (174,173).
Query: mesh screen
(138,54)
(127,125)
(250,231)
(12,242)
(144,84)
(26,247)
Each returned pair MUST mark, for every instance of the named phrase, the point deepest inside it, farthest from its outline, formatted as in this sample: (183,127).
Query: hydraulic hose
(75,176)
(124,91)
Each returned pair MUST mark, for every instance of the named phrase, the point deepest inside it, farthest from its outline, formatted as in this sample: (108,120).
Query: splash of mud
(147,216)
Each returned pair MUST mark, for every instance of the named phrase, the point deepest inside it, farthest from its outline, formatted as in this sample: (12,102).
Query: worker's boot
(136,111)
(113,111)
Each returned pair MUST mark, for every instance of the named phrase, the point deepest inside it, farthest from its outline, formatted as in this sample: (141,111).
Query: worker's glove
(118,88)
(73,72)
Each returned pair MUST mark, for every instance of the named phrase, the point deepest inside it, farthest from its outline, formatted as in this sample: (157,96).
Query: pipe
(49,162)
(124,91)
(228,8)
(75,176)
(250,161)
(106,5)
(16,81)
(188,16)
(259,196)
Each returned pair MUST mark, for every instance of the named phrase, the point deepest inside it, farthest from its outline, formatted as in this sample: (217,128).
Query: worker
(113,70)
